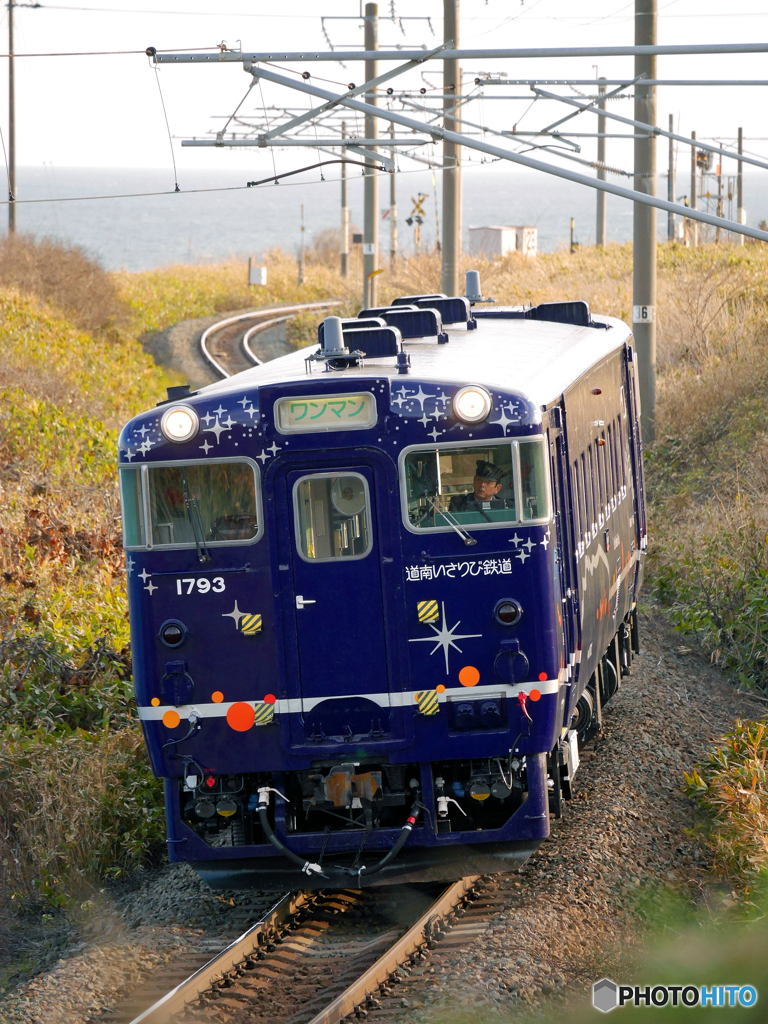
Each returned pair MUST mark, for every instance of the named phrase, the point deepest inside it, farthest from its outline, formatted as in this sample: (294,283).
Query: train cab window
(533,481)
(131,501)
(474,485)
(184,505)
(332,516)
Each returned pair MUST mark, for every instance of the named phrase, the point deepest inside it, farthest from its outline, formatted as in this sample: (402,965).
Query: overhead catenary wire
(167,128)
(187,191)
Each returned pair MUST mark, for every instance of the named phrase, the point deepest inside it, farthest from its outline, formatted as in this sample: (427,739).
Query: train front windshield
(476,485)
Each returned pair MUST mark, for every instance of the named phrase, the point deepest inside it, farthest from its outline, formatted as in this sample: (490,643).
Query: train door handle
(301,601)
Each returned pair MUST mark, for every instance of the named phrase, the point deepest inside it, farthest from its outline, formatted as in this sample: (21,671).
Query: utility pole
(393,210)
(644,220)
(719,198)
(371,181)
(300,277)
(694,190)
(601,196)
(451,242)
(740,217)
(344,212)
(671,182)
(11,127)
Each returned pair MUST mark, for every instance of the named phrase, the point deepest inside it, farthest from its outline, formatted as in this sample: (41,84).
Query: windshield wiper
(193,515)
(468,540)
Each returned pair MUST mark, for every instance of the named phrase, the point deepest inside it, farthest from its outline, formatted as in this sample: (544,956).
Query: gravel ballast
(557,925)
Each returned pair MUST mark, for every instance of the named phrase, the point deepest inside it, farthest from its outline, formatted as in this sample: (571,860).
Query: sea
(216,216)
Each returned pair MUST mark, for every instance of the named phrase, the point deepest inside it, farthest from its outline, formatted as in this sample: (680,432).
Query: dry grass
(64,276)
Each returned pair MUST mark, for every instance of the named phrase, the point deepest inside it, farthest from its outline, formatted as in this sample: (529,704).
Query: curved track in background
(225,346)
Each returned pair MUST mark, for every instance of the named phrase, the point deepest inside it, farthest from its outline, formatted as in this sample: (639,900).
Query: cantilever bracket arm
(592,104)
(651,129)
(357,91)
(518,158)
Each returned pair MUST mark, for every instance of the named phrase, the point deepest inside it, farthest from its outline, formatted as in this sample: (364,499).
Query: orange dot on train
(542,676)
(155,702)
(270,698)
(469,676)
(217,697)
(440,688)
(534,695)
(171,719)
(241,716)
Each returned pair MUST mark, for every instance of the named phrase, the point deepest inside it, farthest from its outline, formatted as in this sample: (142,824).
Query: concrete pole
(644,221)
(344,212)
(451,241)
(11,126)
(718,234)
(694,190)
(740,189)
(392,210)
(371,180)
(671,182)
(601,196)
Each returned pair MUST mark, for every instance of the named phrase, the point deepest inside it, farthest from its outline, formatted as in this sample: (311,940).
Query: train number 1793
(204,586)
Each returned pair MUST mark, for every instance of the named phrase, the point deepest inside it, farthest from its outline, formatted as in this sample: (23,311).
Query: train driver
(485,494)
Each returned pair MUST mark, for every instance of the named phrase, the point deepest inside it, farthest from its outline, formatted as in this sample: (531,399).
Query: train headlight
(180,423)
(472,404)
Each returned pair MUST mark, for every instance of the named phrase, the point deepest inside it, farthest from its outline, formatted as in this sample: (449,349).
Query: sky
(105,111)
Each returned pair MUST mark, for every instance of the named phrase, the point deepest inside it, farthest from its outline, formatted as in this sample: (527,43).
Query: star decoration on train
(129,454)
(434,433)
(206,447)
(444,638)
(129,564)
(504,419)
(144,575)
(235,614)
(145,446)
(151,588)
(216,429)
(545,540)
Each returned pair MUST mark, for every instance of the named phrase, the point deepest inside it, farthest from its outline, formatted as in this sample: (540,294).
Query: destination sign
(306,415)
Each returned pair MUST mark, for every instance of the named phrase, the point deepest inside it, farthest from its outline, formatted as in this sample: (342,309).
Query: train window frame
(144,469)
(513,442)
(297,516)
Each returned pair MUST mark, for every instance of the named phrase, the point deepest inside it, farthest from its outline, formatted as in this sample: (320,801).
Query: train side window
(605,457)
(591,483)
(600,467)
(133,512)
(332,516)
(578,516)
(585,490)
(623,456)
(613,463)
(533,481)
(184,505)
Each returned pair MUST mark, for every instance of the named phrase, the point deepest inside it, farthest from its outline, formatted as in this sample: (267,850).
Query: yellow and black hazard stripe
(250,624)
(427,701)
(265,713)
(427,611)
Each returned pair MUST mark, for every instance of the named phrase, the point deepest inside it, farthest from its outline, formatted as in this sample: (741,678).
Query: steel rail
(220,324)
(395,956)
(247,351)
(235,56)
(175,1000)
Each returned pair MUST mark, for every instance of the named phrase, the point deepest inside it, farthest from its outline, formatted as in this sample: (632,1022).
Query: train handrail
(220,324)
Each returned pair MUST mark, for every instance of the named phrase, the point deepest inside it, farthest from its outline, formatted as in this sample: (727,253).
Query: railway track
(230,345)
(325,957)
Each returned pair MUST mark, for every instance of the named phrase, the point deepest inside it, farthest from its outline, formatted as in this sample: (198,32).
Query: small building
(502,239)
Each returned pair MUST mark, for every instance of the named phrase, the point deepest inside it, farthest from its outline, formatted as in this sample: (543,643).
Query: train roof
(535,359)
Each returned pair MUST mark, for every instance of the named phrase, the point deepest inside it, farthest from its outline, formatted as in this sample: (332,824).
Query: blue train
(381,589)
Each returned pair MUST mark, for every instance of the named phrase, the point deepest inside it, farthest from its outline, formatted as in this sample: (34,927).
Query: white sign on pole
(368,249)
(642,314)
(256,275)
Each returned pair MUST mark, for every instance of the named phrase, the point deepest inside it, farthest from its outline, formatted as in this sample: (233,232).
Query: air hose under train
(307,867)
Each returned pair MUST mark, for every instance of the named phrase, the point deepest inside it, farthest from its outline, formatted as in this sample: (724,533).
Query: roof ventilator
(576,313)
(411,321)
(455,310)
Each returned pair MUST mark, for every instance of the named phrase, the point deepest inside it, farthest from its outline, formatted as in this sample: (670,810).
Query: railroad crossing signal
(417,217)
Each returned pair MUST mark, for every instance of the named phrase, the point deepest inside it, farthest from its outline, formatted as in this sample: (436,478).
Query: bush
(74,809)
(731,787)
(66,277)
